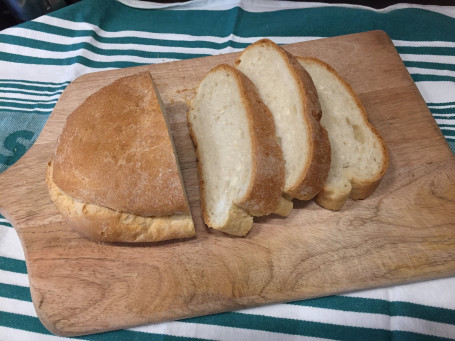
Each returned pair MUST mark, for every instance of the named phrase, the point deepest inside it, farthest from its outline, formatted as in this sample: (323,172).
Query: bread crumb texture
(241,169)
(359,155)
(288,91)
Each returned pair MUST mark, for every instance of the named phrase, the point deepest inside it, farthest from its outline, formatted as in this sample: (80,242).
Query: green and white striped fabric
(38,59)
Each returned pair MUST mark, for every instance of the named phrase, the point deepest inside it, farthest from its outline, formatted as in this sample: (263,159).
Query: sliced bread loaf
(359,155)
(241,168)
(287,89)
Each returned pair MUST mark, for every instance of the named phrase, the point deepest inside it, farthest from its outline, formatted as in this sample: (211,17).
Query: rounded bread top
(116,151)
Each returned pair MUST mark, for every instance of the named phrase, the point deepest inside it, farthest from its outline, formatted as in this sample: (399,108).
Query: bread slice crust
(267,181)
(267,173)
(115,175)
(313,175)
(361,188)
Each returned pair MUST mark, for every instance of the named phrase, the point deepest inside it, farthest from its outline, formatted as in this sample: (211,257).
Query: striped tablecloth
(38,59)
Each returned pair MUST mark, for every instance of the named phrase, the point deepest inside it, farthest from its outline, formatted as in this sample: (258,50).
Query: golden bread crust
(267,182)
(107,225)
(115,151)
(284,206)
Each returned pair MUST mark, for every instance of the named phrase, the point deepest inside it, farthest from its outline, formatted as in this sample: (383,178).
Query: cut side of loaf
(241,168)
(115,175)
(359,155)
(288,91)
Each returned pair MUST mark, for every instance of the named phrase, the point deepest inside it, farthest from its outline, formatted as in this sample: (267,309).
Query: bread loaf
(115,175)
(287,89)
(359,155)
(241,168)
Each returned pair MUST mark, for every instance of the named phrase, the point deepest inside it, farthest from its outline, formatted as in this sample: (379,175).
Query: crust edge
(104,224)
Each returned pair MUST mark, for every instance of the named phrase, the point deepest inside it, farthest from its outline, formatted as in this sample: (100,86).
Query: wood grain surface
(404,232)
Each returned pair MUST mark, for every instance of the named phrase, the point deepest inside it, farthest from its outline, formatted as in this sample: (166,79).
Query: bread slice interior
(287,90)
(359,156)
(219,120)
(240,163)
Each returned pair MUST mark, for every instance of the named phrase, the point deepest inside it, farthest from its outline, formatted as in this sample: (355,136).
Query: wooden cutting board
(404,232)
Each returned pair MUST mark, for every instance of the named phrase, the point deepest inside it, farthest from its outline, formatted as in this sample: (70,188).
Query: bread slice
(115,175)
(241,168)
(359,155)
(287,89)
